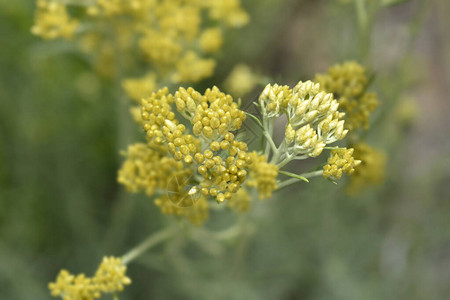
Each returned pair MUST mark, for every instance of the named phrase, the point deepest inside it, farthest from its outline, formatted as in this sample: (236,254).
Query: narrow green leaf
(293,175)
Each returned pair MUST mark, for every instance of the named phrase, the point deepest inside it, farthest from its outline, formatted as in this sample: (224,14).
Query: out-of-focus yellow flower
(193,68)
(241,80)
(240,202)
(138,88)
(370,171)
(147,169)
(197,213)
(52,21)
(229,11)
(135,112)
(348,82)
(211,40)
(178,18)
(340,161)
(160,48)
(407,111)
(263,176)
(109,278)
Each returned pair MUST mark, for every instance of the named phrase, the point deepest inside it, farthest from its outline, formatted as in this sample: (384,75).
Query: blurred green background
(61,207)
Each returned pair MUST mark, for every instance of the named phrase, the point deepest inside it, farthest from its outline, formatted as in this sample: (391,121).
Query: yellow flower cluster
(340,161)
(348,82)
(52,21)
(149,169)
(370,171)
(223,177)
(189,167)
(213,116)
(263,176)
(109,278)
(173,35)
(313,118)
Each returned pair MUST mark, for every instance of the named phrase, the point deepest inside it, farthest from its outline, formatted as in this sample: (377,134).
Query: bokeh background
(61,207)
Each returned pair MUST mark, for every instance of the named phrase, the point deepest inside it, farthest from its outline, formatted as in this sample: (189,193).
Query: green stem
(365,19)
(278,153)
(148,243)
(268,131)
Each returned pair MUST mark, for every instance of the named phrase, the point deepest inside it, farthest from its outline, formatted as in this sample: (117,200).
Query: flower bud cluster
(273,100)
(313,117)
(163,128)
(52,21)
(263,176)
(191,167)
(109,278)
(340,161)
(110,275)
(212,115)
(147,169)
(348,82)
(222,177)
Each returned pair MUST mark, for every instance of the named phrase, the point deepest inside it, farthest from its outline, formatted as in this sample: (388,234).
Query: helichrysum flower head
(313,117)
(52,21)
(340,161)
(370,171)
(218,160)
(109,278)
(348,82)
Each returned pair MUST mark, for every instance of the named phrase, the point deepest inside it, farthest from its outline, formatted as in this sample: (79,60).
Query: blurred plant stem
(121,206)
(244,239)
(395,93)
(153,240)
(365,15)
